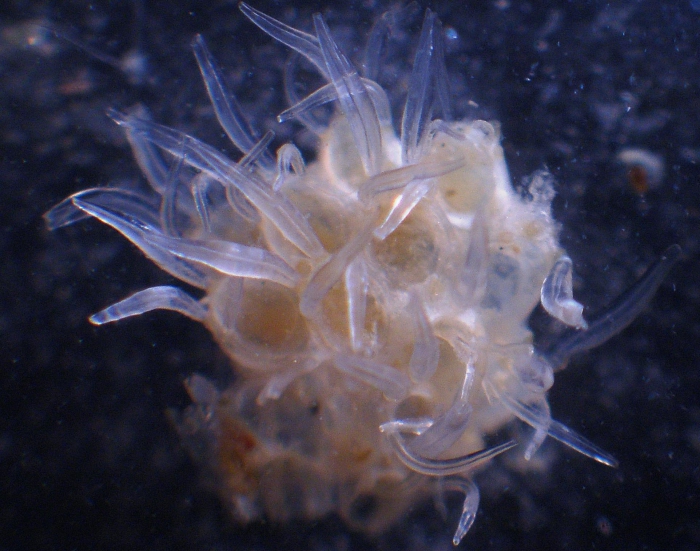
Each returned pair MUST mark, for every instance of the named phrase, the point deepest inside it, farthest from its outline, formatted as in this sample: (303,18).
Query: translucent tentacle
(557,295)
(288,159)
(228,112)
(535,418)
(440,126)
(542,410)
(469,508)
(67,212)
(229,258)
(325,94)
(402,206)
(416,181)
(234,196)
(147,156)
(328,93)
(303,116)
(278,382)
(199,186)
(398,178)
(442,81)
(168,206)
(380,101)
(474,275)
(355,101)
(575,441)
(64,214)
(257,151)
(417,110)
(153,298)
(381,28)
(240,204)
(138,216)
(357,287)
(375,42)
(223,256)
(450,426)
(619,314)
(329,274)
(392,382)
(535,374)
(426,349)
(304,43)
(276,207)
(444,467)
(413,426)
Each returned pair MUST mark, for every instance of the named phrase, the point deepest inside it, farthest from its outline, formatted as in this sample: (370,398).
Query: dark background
(88,459)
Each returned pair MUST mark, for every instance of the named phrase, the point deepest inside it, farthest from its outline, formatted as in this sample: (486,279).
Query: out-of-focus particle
(645,170)
(604,526)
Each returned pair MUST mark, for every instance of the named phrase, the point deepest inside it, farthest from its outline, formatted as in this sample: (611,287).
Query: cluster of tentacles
(374,303)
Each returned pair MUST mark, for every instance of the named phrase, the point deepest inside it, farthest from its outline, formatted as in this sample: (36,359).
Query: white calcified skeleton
(374,303)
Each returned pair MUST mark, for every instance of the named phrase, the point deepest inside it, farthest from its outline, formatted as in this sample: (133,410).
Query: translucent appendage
(619,314)
(331,272)
(64,214)
(380,101)
(288,159)
(168,206)
(278,383)
(257,151)
(153,298)
(137,205)
(428,83)
(534,417)
(134,215)
(355,102)
(392,382)
(417,110)
(450,426)
(357,287)
(147,156)
(426,349)
(575,441)
(557,295)
(473,276)
(304,43)
(469,508)
(444,467)
(305,117)
(325,94)
(276,207)
(413,426)
(228,258)
(402,206)
(542,411)
(223,256)
(398,178)
(390,20)
(442,80)
(199,186)
(228,112)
